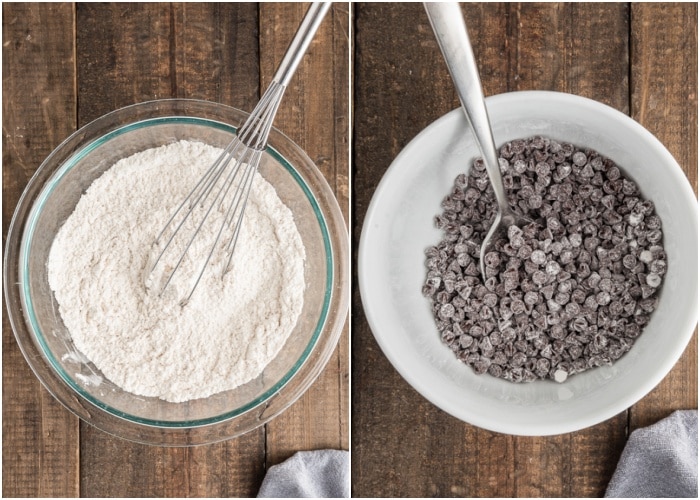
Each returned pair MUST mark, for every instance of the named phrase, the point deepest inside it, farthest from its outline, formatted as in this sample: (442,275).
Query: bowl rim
(335,299)
(409,373)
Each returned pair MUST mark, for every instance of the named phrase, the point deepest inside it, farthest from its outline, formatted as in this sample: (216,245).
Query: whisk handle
(302,39)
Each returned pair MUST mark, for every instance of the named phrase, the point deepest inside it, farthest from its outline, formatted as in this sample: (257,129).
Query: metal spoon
(448,24)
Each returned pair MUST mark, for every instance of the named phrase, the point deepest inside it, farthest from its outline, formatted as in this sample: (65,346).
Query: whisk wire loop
(236,165)
(195,196)
(206,191)
(232,243)
(222,192)
(242,190)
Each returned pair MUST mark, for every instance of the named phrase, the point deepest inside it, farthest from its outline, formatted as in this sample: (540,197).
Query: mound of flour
(150,345)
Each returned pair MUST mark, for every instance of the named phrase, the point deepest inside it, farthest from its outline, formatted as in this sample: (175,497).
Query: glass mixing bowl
(50,198)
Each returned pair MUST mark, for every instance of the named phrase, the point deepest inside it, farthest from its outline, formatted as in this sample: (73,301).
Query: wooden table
(640,59)
(67,64)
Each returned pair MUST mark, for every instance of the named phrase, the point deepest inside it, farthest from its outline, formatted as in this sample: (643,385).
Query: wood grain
(40,437)
(131,62)
(317,419)
(112,467)
(579,48)
(664,99)
(215,53)
(402,445)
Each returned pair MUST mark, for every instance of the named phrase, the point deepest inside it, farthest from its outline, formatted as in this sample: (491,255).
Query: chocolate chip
(653,280)
(579,158)
(658,267)
(538,257)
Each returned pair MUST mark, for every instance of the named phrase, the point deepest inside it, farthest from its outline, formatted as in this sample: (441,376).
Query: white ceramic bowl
(399,227)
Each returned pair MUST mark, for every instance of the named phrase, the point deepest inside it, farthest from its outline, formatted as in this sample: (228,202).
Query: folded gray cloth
(309,474)
(660,461)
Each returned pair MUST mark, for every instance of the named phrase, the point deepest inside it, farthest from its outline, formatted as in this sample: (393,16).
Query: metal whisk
(221,195)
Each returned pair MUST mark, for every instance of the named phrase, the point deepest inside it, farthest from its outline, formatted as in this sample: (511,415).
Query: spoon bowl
(448,25)
(499,230)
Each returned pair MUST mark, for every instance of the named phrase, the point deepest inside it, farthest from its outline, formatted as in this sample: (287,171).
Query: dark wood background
(66,64)
(640,59)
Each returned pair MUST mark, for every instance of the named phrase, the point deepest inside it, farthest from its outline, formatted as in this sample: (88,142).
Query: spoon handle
(447,22)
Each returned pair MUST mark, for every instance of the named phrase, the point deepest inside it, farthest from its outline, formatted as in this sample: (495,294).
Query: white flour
(150,346)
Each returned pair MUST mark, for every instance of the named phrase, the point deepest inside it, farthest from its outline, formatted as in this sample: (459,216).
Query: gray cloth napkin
(660,461)
(309,474)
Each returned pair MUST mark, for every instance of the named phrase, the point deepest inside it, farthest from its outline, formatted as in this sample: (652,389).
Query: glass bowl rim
(26,233)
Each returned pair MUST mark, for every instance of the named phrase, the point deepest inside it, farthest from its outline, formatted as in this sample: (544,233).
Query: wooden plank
(215,53)
(130,63)
(488,26)
(401,86)
(40,437)
(402,444)
(232,468)
(664,99)
(319,418)
(594,455)
(579,48)
(179,40)
(339,17)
